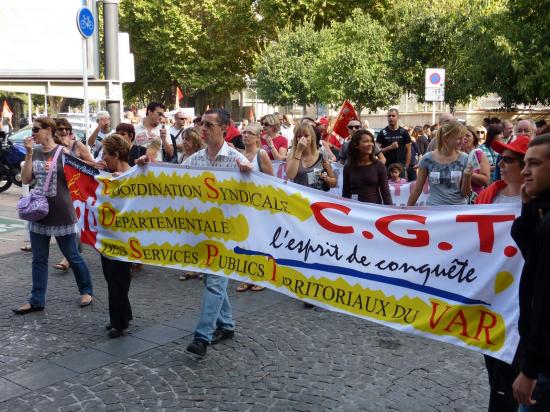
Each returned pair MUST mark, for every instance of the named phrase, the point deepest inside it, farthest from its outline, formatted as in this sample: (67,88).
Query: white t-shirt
(144,137)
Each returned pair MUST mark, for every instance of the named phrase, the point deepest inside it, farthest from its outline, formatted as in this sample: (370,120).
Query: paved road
(283,357)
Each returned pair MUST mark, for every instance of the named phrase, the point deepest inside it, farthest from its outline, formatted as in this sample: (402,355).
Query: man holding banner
(216,320)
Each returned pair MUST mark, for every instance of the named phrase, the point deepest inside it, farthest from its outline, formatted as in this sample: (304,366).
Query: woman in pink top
(272,141)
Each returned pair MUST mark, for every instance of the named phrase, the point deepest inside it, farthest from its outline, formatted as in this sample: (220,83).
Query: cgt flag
(347,113)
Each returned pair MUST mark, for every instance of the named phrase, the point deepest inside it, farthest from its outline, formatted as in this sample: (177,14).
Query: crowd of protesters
(496,162)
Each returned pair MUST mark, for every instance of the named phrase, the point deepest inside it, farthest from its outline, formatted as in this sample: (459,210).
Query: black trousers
(118,277)
(501,378)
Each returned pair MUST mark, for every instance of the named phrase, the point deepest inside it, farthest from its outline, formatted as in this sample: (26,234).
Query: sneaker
(198,347)
(221,334)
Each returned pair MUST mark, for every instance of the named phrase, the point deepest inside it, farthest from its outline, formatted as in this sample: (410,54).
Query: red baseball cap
(519,145)
(323,120)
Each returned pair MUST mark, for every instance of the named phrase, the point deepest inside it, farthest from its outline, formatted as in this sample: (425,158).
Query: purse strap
(54,162)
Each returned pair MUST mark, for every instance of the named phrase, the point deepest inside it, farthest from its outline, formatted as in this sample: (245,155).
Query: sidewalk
(283,357)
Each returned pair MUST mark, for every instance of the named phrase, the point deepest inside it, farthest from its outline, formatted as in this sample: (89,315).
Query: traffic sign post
(85,22)
(434,88)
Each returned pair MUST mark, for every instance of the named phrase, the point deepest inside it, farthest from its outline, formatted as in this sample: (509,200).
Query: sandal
(85,300)
(188,276)
(243,287)
(257,288)
(62,266)
(26,248)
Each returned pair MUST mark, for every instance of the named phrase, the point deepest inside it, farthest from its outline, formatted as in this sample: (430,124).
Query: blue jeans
(541,394)
(40,252)
(215,310)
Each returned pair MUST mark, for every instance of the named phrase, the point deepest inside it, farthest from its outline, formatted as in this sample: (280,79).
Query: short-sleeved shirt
(387,136)
(444,180)
(97,149)
(226,158)
(144,137)
(279,141)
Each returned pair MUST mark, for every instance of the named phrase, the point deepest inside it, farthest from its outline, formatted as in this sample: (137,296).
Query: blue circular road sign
(85,21)
(435,78)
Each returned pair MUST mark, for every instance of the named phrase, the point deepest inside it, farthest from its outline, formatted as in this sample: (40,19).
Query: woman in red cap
(507,190)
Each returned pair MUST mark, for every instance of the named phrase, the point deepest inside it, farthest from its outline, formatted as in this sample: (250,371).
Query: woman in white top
(260,162)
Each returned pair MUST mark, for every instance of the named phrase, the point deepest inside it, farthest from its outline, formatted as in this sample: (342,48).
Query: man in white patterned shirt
(216,319)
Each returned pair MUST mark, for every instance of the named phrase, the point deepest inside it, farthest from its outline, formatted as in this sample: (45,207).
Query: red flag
(179,94)
(347,113)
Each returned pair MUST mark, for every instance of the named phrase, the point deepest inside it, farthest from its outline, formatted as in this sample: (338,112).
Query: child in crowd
(396,169)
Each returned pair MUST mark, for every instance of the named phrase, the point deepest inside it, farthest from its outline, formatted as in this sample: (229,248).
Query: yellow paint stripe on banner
(207,188)
(475,325)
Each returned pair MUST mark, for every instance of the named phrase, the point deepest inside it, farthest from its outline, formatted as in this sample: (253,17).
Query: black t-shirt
(387,136)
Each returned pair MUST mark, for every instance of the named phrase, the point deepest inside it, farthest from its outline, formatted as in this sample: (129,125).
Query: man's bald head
(445,118)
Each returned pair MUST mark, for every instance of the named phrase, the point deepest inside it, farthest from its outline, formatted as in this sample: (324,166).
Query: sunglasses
(265,125)
(352,127)
(64,129)
(37,129)
(508,160)
(207,124)
(480,132)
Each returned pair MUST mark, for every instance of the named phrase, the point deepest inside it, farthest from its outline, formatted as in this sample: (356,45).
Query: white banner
(446,273)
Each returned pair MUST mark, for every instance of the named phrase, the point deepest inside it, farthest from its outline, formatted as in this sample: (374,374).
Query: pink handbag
(34,206)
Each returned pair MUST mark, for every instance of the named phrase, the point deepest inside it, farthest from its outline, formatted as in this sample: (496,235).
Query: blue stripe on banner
(369,276)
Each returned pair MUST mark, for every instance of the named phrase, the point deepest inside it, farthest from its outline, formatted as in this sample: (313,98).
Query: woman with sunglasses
(272,141)
(480,176)
(365,178)
(260,161)
(59,222)
(74,147)
(508,190)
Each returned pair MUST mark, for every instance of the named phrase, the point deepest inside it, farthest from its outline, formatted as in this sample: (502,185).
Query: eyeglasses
(354,126)
(524,130)
(37,129)
(508,159)
(207,124)
(64,129)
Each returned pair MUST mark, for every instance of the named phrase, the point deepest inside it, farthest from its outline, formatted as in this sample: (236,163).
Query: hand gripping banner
(449,273)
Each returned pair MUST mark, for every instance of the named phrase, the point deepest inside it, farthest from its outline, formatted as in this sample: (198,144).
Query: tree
(356,63)
(321,13)
(446,34)
(519,49)
(286,67)
(205,47)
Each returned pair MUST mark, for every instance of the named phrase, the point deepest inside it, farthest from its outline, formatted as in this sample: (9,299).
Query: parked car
(20,136)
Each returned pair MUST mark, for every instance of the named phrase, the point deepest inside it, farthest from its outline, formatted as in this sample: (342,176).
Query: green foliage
(445,34)
(321,13)
(286,67)
(202,46)
(356,63)
(522,47)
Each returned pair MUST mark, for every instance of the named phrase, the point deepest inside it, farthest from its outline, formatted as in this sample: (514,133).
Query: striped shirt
(226,158)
